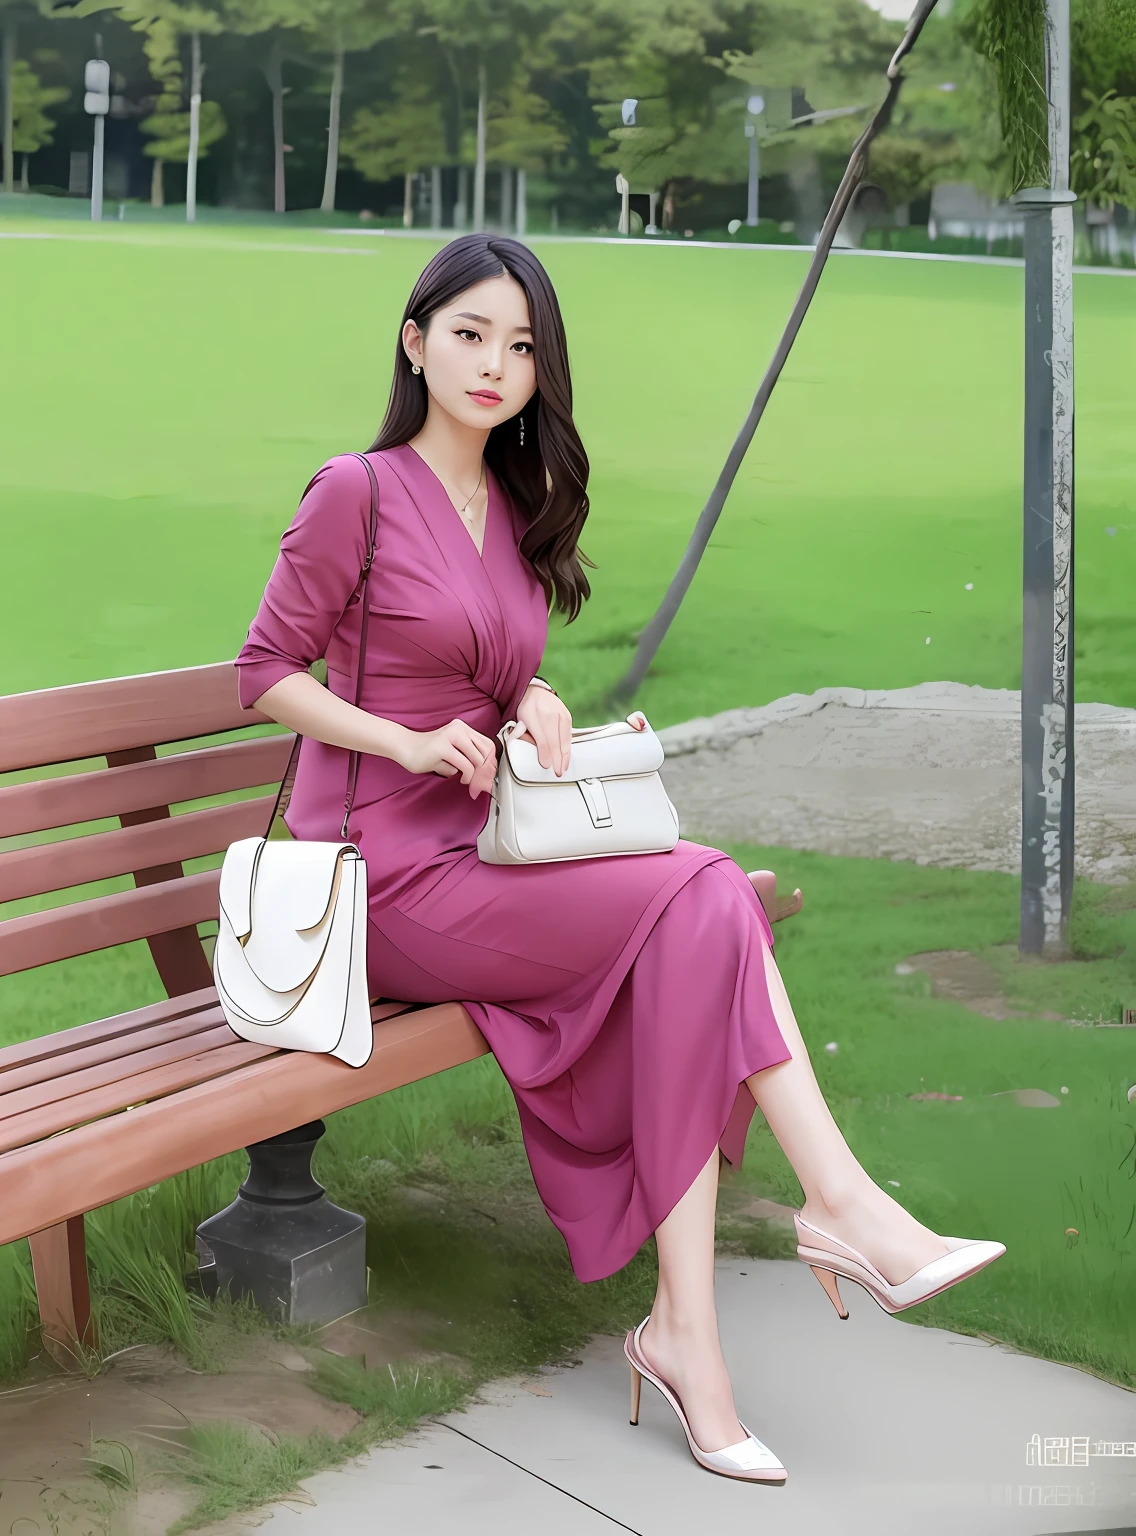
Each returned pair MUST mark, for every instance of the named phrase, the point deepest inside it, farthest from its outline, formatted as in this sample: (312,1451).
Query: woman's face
(477,353)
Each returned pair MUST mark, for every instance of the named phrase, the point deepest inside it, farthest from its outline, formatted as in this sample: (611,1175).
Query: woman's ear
(412,342)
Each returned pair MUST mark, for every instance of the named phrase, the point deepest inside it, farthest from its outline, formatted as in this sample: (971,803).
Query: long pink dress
(624,998)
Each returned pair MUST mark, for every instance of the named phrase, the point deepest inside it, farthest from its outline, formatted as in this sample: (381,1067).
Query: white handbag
(610,799)
(290,961)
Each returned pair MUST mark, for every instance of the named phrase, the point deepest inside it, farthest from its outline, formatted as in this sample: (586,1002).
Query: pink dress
(624,998)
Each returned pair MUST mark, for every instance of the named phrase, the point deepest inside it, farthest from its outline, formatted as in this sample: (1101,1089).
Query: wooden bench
(92,1113)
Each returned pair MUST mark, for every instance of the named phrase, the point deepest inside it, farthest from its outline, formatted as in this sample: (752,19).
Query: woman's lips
(484,396)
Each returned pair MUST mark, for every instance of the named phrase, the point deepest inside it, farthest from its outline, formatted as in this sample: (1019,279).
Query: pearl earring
(414,368)
(522,431)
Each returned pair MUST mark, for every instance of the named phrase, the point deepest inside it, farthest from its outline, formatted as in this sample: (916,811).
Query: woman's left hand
(548,722)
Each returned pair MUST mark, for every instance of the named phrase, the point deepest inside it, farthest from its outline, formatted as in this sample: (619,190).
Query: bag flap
(598,752)
(283,893)
(234,892)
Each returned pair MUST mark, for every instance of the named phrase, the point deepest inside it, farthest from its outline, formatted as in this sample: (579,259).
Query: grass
(504,1288)
(232,360)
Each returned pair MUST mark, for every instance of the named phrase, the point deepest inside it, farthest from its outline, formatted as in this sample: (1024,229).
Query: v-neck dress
(624,998)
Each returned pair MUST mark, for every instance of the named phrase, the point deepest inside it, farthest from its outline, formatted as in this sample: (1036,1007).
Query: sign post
(755,106)
(96,102)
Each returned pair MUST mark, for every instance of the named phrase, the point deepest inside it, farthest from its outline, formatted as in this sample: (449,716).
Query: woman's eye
(466,332)
(526,346)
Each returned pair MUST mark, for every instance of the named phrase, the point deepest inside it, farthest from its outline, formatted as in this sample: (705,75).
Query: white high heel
(829,1256)
(749,1459)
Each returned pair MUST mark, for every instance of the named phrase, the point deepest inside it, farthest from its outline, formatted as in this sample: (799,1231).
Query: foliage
(405,135)
(32,128)
(1010,34)
(1102,161)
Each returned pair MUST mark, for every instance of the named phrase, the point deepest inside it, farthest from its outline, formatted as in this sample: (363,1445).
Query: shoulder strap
(284,794)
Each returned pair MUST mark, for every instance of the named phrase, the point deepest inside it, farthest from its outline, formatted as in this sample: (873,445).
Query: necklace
(477,487)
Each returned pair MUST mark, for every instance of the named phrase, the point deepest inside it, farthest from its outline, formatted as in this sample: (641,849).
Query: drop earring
(522,431)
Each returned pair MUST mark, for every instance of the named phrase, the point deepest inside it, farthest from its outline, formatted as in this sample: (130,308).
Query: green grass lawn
(978,1167)
(166,393)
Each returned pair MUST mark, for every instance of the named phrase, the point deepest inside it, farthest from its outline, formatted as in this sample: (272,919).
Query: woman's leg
(681,1339)
(839,1196)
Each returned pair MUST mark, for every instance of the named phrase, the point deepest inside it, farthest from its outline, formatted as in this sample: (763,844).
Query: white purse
(290,961)
(610,799)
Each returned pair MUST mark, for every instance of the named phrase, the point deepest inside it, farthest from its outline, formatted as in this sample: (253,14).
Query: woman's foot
(692,1366)
(886,1234)
(764,882)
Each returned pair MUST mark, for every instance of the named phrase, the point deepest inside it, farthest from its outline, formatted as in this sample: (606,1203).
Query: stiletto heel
(828,1280)
(829,1256)
(749,1460)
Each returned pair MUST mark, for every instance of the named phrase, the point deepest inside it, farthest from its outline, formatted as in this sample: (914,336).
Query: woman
(633,1002)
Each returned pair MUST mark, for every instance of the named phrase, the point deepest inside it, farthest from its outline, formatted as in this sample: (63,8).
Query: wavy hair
(547,477)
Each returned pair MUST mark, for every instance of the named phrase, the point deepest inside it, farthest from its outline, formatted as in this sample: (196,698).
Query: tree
(342,27)
(1102,163)
(169,126)
(31,126)
(164,22)
(400,139)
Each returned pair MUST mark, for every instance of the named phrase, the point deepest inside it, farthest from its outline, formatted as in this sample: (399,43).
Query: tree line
(473,108)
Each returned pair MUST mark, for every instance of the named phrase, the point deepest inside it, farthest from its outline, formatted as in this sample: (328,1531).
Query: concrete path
(930,773)
(886,1430)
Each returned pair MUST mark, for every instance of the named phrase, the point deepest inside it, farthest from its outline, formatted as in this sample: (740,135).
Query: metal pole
(754,165)
(97,170)
(1048,783)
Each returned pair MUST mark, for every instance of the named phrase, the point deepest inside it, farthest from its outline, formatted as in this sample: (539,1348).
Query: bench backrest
(123,722)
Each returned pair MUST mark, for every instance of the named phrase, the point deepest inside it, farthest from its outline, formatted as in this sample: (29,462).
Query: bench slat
(60,1070)
(100,855)
(83,926)
(63,1041)
(54,1077)
(39,1125)
(50,1181)
(62,725)
(60,1102)
(71,798)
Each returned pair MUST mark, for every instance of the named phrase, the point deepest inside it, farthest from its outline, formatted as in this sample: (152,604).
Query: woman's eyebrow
(465,314)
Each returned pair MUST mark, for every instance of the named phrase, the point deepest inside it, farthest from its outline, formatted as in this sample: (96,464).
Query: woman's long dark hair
(547,477)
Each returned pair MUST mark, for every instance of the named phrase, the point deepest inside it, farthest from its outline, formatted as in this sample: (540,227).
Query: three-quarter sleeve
(321,556)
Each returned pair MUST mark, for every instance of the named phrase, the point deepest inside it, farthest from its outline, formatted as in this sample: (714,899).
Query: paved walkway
(930,773)
(886,1429)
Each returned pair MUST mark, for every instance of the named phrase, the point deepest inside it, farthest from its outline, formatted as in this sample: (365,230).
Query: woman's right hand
(452,749)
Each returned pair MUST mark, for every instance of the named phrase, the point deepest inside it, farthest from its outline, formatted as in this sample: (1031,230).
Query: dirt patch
(930,774)
(146,1398)
(964,978)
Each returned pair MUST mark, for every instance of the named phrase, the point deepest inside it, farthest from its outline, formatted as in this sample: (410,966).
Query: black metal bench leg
(282,1241)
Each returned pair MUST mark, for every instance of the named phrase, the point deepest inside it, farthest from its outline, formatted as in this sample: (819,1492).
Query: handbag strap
(284,793)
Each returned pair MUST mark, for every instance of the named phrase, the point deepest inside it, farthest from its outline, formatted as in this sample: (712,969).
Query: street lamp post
(1047,504)
(96,102)
(755,106)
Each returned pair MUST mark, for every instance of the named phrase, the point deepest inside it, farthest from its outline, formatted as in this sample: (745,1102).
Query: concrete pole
(1048,784)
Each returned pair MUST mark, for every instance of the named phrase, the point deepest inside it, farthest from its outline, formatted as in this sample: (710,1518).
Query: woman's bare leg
(681,1339)
(839,1196)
